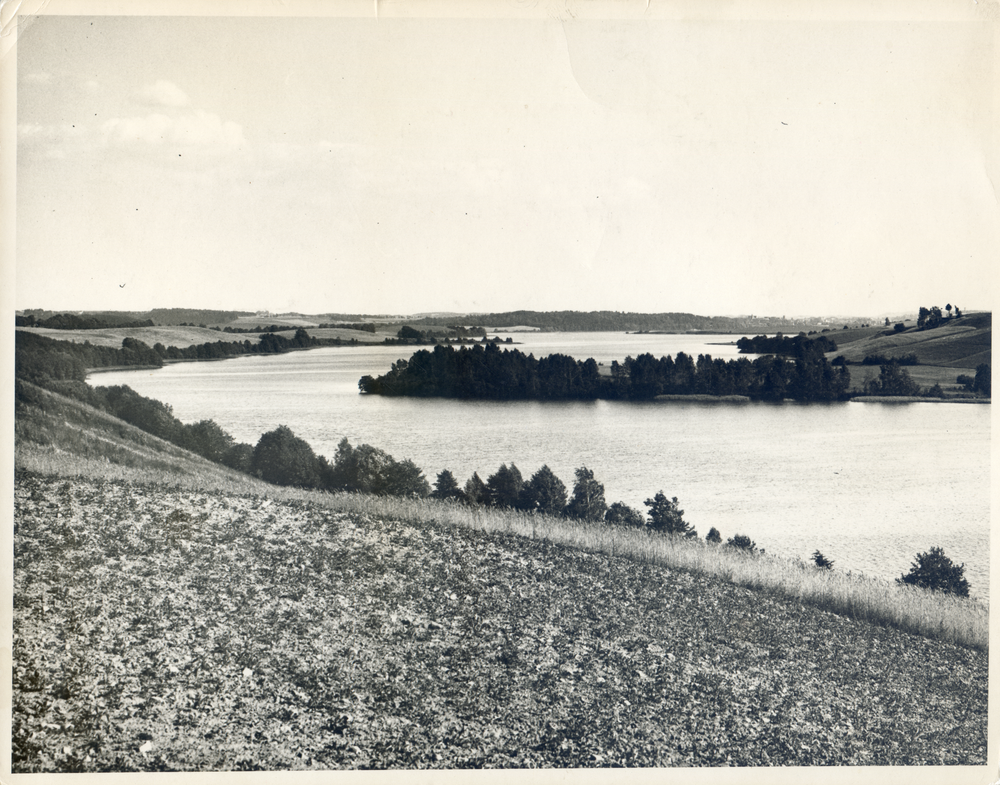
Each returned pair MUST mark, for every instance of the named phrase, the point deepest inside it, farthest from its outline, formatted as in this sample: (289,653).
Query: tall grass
(933,615)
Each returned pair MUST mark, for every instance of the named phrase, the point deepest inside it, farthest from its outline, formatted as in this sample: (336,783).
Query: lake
(870,485)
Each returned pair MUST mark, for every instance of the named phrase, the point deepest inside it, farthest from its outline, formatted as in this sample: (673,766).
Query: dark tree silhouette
(620,514)
(504,487)
(543,493)
(283,458)
(665,515)
(935,571)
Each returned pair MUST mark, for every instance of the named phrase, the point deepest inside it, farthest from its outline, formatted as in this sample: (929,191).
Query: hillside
(149,584)
(964,342)
(180,337)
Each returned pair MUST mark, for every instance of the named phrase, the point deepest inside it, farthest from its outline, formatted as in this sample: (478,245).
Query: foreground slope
(160,628)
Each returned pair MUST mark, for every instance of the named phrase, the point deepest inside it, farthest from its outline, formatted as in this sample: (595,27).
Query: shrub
(742,542)
(934,392)
(821,561)
(966,381)
(620,514)
(935,571)
(899,327)
(713,536)
(282,458)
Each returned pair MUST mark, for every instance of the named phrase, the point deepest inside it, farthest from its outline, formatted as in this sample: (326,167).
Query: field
(160,628)
(961,343)
(172,614)
(181,337)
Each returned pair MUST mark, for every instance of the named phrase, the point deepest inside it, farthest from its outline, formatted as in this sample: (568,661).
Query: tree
(476,491)
(935,571)
(446,486)
(983,382)
(893,380)
(620,514)
(587,502)
(404,478)
(543,493)
(282,458)
(209,440)
(665,515)
(713,536)
(504,487)
(821,561)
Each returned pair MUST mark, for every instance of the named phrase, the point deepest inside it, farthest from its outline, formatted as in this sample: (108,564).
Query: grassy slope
(412,643)
(180,337)
(961,343)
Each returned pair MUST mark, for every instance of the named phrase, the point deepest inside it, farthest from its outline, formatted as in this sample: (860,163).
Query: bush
(713,536)
(821,561)
(966,381)
(620,514)
(935,571)
(282,458)
(742,542)
(934,392)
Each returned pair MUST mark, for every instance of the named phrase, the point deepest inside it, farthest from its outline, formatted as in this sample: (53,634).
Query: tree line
(485,372)
(799,346)
(37,357)
(622,321)
(72,321)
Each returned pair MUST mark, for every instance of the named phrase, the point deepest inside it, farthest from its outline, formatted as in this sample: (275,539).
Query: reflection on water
(869,485)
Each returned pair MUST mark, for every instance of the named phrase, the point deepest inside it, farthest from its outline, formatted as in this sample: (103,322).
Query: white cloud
(164,93)
(27,132)
(200,128)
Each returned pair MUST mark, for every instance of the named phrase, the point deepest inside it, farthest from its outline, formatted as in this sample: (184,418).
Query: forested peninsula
(487,373)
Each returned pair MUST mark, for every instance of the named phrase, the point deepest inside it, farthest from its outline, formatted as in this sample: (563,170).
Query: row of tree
(799,346)
(929,318)
(38,356)
(485,372)
(72,321)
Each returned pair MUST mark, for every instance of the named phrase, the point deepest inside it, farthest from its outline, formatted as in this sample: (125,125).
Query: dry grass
(942,617)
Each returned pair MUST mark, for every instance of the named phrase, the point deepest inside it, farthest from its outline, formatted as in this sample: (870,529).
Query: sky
(392,165)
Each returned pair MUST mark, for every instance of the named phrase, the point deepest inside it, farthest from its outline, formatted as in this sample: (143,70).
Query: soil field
(166,629)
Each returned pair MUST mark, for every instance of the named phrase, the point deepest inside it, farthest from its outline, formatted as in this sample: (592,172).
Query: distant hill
(618,321)
(962,342)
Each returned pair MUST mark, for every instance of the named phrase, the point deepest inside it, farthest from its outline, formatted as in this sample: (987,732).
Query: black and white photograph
(554,387)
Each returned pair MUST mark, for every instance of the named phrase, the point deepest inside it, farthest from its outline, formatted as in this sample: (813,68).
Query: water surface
(869,485)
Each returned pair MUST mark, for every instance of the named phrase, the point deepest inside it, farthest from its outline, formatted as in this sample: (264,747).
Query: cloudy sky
(410,165)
